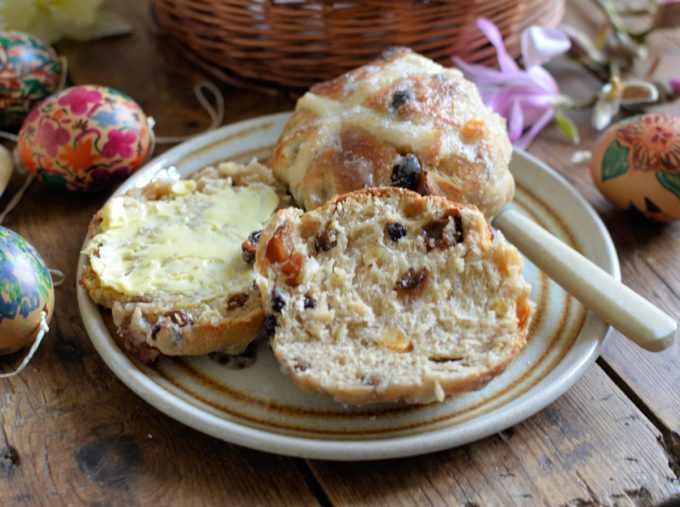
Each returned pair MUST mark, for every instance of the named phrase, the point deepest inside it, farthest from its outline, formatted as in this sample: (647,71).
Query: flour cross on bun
(401,120)
(383,295)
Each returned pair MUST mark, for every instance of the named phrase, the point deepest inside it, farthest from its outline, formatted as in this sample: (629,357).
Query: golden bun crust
(351,132)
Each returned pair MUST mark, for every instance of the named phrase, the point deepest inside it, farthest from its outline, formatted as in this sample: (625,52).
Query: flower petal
(515,121)
(637,91)
(486,76)
(604,111)
(505,61)
(479,73)
(541,77)
(582,45)
(535,129)
(541,44)
(532,100)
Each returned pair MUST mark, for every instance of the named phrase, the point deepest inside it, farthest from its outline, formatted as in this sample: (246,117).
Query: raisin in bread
(403,121)
(167,260)
(382,294)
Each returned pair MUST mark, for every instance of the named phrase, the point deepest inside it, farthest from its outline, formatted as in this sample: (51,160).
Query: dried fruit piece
(437,235)
(395,231)
(310,302)
(399,98)
(394,339)
(249,247)
(300,365)
(406,174)
(473,130)
(278,303)
(411,280)
(327,239)
(292,269)
(180,317)
(237,301)
(279,246)
(499,307)
(433,233)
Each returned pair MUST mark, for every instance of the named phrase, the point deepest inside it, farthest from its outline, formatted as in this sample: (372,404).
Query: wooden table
(73,434)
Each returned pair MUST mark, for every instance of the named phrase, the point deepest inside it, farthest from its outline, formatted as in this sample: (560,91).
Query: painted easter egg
(26,290)
(636,164)
(29,71)
(84,138)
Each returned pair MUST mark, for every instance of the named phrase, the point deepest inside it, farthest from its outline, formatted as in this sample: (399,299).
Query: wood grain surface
(591,447)
(73,434)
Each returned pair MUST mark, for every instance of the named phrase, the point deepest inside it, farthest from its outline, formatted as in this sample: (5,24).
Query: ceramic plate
(259,407)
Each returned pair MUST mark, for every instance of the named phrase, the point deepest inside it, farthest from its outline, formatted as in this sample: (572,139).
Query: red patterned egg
(29,71)
(636,164)
(26,290)
(85,137)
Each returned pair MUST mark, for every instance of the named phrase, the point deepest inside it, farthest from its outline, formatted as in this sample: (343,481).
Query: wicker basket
(296,43)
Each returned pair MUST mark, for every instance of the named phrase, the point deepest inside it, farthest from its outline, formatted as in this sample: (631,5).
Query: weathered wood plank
(591,447)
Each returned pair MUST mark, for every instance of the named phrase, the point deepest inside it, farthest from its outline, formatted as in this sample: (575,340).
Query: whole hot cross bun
(401,121)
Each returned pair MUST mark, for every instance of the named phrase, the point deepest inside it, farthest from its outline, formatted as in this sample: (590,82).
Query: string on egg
(44,328)
(60,274)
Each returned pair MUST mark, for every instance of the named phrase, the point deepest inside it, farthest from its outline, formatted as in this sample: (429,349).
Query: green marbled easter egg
(26,290)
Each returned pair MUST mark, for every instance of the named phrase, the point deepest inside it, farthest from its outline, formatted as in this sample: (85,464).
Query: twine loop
(43,329)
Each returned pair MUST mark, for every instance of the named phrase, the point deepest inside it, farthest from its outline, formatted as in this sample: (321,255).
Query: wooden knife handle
(613,302)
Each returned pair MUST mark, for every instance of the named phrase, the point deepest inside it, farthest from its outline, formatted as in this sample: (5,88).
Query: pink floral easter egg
(636,164)
(84,138)
(29,71)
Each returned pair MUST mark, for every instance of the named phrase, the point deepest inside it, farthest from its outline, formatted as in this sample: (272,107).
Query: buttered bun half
(167,260)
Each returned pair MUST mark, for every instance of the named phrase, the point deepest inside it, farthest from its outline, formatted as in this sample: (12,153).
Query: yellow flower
(50,20)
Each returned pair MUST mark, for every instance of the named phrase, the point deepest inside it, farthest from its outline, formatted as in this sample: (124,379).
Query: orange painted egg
(26,291)
(84,138)
(636,164)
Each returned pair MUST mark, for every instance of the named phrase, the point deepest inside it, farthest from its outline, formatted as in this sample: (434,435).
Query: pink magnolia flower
(78,99)
(51,138)
(119,143)
(525,97)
